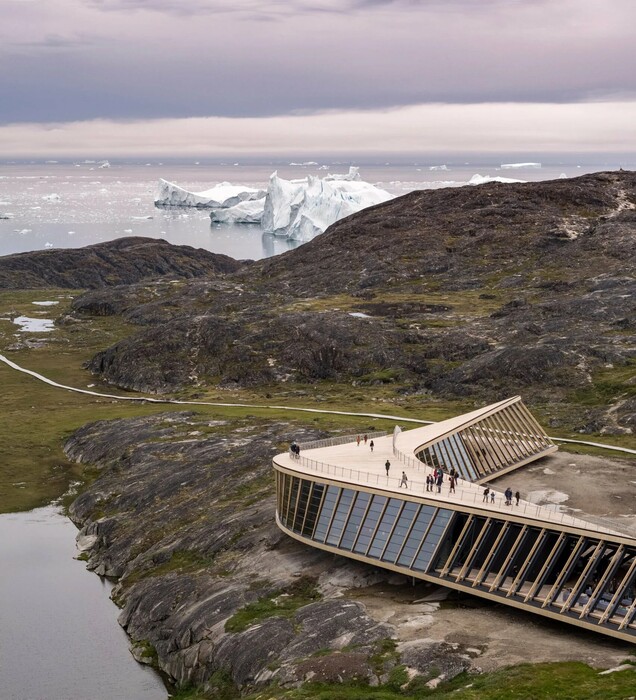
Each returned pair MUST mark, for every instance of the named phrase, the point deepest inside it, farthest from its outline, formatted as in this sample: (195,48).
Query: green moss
(559,681)
(283,603)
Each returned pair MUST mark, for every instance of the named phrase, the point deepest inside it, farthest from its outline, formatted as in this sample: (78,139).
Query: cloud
(422,129)
(75,60)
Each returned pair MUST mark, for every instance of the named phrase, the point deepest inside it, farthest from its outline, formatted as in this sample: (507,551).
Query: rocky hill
(123,261)
(476,292)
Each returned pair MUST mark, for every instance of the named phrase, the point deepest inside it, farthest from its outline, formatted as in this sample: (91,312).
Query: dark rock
(122,261)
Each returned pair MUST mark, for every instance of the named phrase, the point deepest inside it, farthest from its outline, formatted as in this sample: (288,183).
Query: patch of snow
(104,164)
(52,197)
(359,314)
(141,218)
(438,167)
(45,303)
(48,244)
(34,325)
(548,471)
(223,196)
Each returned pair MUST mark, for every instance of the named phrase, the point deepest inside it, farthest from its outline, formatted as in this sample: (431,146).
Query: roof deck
(356,464)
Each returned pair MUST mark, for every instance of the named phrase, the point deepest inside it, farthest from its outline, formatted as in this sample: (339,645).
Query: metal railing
(473,496)
(340,440)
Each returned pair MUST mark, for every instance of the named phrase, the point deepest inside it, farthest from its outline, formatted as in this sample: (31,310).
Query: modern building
(340,496)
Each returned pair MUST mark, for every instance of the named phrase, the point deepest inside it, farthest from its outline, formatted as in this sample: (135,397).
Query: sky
(341,77)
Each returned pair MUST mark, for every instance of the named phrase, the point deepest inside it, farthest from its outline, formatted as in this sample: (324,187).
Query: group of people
(489,495)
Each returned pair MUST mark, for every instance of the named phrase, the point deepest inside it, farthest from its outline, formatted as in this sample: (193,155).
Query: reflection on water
(59,637)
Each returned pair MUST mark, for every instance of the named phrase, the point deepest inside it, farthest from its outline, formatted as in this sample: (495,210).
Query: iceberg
(220,196)
(302,209)
(247,212)
(513,166)
(483,179)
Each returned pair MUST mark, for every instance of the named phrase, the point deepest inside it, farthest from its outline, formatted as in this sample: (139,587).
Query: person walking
(486,492)
(508,494)
(428,482)
(404,481)
(452,484)
(440,481)
(517,496)
(358,440)
(371,445)
(492,497)
(387,466)
(365,438)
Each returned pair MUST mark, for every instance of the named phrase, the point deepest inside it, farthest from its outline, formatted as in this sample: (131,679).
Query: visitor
(387,466)
(486,492)
(508,495)
(358,440)
(517,496)
(404,481)
(371,445)
(492,496)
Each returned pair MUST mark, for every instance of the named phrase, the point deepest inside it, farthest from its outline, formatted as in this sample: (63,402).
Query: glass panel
(303,498)
(384,529)
(416,535)
(340,516)
(369,525)
(432,539)
(325,514)
(292,501)
(312,510)
(399,533)
(355,520)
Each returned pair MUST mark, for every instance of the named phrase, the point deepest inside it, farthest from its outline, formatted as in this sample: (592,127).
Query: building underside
(339,498)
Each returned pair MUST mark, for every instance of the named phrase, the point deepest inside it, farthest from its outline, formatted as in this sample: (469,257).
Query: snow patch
(54,197)
(45,303)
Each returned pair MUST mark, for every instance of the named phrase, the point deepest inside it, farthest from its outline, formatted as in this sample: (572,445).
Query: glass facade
(579,577)
(500,440)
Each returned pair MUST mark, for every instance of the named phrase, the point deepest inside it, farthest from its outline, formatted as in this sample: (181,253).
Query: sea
(70,204)
(59,637)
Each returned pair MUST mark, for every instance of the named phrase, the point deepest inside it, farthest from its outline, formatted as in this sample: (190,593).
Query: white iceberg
(248,212)
(438,167)
(302,209)
(513,166)
(223,196)
(483,179)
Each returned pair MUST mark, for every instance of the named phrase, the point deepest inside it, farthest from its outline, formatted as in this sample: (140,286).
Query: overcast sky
(223,77)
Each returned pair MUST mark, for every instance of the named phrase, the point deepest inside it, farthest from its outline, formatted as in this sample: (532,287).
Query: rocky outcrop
(182,513)
(475,292)
(122,261)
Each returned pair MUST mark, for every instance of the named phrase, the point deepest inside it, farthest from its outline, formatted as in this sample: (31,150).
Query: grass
(283,603)
(557,681)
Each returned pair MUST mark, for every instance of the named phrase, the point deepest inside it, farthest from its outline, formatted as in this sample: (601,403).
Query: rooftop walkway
(357,464)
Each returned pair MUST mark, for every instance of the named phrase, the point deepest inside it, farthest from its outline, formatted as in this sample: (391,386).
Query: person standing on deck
(371,445)
(387,466)
(405,481)
(486,492)
(358,440)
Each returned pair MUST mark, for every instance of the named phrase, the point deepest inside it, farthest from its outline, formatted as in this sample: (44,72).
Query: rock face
(474,292)
(122,261)
(183,513)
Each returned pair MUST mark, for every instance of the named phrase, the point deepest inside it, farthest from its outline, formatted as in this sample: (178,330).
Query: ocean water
(69,205)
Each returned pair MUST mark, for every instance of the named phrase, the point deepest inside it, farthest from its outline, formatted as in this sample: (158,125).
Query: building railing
(340,440)
(473,496)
